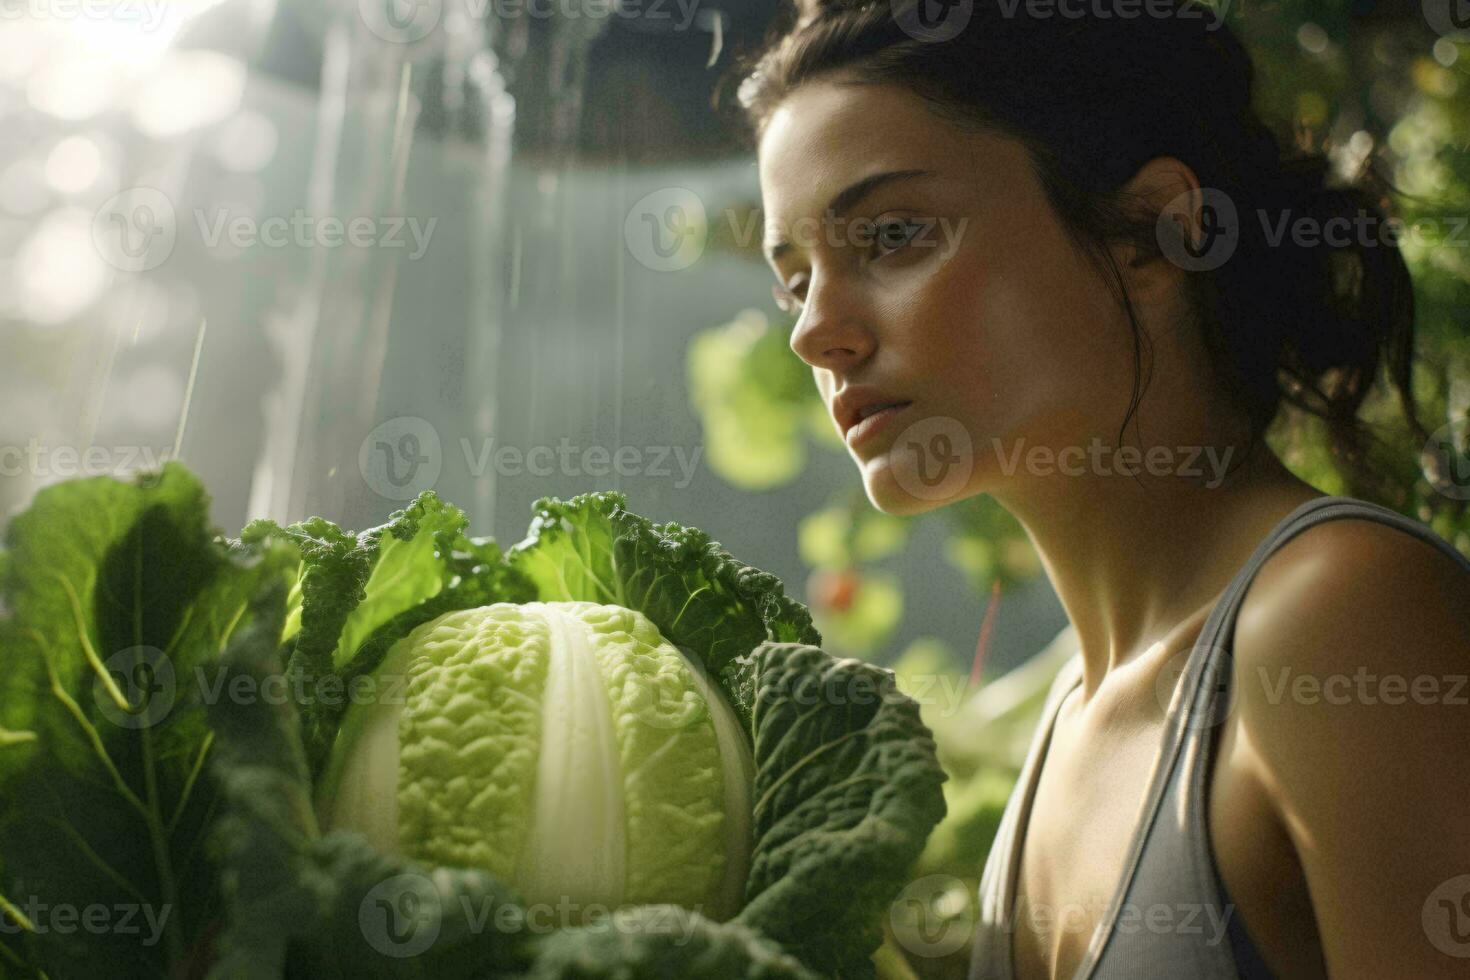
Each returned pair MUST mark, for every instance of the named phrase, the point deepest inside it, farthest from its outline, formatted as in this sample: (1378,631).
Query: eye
(890,236)
(785,295)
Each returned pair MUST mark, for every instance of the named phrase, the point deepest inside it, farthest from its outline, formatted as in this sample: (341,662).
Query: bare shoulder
(1351,656)
(1353,578)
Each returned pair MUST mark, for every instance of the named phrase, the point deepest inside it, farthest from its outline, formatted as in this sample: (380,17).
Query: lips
(855,403)
(869,426)
(872,409)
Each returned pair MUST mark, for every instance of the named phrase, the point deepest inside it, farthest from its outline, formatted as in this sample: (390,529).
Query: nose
(828,333)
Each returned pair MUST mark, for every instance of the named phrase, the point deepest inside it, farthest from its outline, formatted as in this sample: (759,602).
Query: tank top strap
(1169,849)
(1179,859)
(1219,629)
(991,942)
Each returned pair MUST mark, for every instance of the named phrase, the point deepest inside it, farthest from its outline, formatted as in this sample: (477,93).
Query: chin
(889,494)
(931,463)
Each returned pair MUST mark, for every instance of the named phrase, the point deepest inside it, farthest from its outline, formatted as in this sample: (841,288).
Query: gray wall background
(526,321)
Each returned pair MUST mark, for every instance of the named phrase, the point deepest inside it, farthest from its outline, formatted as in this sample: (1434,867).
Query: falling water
(380,104)
(546,60)
(345,311)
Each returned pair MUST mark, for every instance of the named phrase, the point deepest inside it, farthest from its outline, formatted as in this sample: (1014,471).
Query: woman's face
(955,290)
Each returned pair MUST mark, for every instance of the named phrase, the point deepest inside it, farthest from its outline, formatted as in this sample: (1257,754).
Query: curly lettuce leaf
(848,785)
(350,583)
(591,548)
(357,589)
(479,577)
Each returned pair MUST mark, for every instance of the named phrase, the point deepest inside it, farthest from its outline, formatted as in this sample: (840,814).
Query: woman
(1015,231)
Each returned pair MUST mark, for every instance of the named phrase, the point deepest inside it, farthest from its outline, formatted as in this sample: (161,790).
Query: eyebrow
(848,198)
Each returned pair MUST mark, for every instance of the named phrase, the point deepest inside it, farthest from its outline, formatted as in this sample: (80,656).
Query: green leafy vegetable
(177,710)
(565,746)
(120,601)
(391,578)
(591,548)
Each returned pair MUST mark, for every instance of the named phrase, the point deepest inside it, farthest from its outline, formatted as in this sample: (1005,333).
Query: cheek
(823,380)
(1024,339)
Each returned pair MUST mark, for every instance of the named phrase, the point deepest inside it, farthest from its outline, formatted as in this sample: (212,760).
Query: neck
(1140,562)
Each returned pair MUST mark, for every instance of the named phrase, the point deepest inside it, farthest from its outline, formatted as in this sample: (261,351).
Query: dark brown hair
(1093,98)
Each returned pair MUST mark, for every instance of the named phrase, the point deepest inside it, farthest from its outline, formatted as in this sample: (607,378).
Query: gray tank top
(1170,869)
